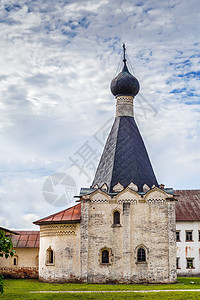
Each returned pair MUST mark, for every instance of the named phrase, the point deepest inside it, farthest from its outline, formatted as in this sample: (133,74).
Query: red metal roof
(26,239)
(188,205)
(70,214)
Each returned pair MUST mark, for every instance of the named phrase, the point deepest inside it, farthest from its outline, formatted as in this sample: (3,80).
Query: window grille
(105,257)
(189,236)
(50,256)
(190,263)
(178,236)
(141,255)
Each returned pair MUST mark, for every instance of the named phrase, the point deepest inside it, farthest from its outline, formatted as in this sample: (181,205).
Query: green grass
(20,289)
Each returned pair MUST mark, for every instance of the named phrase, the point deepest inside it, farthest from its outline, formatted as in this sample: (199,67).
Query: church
(123,228)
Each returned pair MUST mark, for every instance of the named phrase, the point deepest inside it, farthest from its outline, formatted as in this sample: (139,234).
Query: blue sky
(57,61)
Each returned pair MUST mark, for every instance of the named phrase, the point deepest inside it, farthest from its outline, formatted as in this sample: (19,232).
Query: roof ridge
(117,119)
(115,150)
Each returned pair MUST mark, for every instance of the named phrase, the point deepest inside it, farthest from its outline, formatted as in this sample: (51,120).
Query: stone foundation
(23,272)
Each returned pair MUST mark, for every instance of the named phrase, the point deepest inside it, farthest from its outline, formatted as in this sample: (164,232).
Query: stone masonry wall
(64,240)
(148,221)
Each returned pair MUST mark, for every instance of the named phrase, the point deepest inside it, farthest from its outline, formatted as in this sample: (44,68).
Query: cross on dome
(125,83)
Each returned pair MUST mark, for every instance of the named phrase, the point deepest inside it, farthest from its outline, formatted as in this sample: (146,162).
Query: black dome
(125,83)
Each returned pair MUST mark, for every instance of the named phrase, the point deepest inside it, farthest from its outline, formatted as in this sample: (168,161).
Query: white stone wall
(188,249)
(64,240)
(148,221)
(124,106)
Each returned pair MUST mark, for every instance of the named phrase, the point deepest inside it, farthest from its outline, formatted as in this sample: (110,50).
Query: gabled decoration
(133,186)
(157,193)
(127,195)
(104,187)
(96,186)
(146,188)
(99,196)
(118,188)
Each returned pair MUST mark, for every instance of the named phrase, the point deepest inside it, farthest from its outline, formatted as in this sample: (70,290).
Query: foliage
(6,249)
(6,246)
(1,284)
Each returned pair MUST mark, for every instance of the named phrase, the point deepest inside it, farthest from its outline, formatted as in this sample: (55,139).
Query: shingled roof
(188,205)
(71,214)
(125,158)
(26,239)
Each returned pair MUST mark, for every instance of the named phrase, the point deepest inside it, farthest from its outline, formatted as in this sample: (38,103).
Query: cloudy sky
(57,60)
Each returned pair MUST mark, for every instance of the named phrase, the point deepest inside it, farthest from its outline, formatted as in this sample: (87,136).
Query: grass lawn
(20,289)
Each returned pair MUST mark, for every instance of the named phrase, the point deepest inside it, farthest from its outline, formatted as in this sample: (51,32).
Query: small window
(199,235)
(178,236)
(189,236)
(178,262)
(105,257)
(116,218)
(15,260)
(141,255)
(50,256)
(190,263)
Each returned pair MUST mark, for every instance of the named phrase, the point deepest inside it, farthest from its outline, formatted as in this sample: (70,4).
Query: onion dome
(125,83)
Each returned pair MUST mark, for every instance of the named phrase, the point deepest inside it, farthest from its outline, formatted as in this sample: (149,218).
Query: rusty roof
(72,214)
(188,205)
(26,239)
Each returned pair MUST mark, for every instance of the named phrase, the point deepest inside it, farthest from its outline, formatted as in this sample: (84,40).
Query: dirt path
(143,291)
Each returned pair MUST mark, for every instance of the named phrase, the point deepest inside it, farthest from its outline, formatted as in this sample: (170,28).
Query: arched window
(105,257)
(141,254)
(15,260)
(116,218)
(50,256)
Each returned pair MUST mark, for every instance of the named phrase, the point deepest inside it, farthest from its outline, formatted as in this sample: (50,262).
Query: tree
(6,250)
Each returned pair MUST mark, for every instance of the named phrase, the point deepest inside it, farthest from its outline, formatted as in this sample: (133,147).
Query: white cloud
(57,61)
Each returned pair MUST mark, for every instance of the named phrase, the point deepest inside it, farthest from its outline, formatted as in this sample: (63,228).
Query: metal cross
(124,49)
